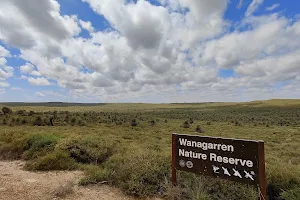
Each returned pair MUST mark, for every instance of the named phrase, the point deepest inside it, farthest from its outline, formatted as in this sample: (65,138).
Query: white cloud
(272,7)
(40,94)
(35,73)
(23,27)
(17,89)
(253,7)
(275,69)
(41,81)
(87,25)
(52,93)
(27,68)
(271,37)
(4,84)
(2,91)
(23,77)
(152,51)
(4,52)
(240,4)
(5,71)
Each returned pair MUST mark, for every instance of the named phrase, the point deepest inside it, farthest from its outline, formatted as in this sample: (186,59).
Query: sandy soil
(18,184)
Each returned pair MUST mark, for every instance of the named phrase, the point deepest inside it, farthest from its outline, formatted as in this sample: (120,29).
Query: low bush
(6,110)
(292,194)
(185,124)
(199,129)
(140,175)
(38,121)
(29,146)
(90,150)
(134,122)
(39,144)
(57,160)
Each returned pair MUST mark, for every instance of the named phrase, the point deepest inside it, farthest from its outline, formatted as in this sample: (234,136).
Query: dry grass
(137,159)
(64,190)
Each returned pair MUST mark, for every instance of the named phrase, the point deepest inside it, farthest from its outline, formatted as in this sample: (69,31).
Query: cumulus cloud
(4,52)
(4,84)
(40,81)
(87,25)
(5,71)
(271,37)
(27,68)
(174,50)
(35,73)
(40,19)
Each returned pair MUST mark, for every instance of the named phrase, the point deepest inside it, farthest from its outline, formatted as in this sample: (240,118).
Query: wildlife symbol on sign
(189,164)
(226,172)
(182,163)
(248,175)
(216,169)
(236,173)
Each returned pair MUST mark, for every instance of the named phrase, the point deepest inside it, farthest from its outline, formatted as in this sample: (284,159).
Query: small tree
(6,110)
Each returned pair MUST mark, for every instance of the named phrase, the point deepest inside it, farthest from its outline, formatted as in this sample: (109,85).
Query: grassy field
(129,145)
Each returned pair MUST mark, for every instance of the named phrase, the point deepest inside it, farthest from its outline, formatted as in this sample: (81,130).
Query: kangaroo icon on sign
(236,173)
(216,169)
(248,175)
(226,172)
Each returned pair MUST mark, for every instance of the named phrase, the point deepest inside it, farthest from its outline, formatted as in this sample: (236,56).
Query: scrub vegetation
(129,145)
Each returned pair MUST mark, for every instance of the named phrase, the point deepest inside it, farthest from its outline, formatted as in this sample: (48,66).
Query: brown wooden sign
(233,159)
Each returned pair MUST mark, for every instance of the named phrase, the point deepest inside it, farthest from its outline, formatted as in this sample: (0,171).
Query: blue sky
(149,51)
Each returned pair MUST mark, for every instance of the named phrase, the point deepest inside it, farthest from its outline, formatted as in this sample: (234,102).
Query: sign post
(232,159)
(262,173)
(174,177)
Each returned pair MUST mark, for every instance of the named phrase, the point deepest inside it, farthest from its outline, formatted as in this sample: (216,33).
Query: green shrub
(39,144)
(73,121)
(186,124)
(199,129)
(57,160)
(90,150)
(20,112)
(23,121)
(6,110)
(29,146)
(141,175)
(96,174)
(38,121)
(18,120)
(292,194)
(134,122)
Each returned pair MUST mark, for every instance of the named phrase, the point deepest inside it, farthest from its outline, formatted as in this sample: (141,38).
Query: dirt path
(17,184)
